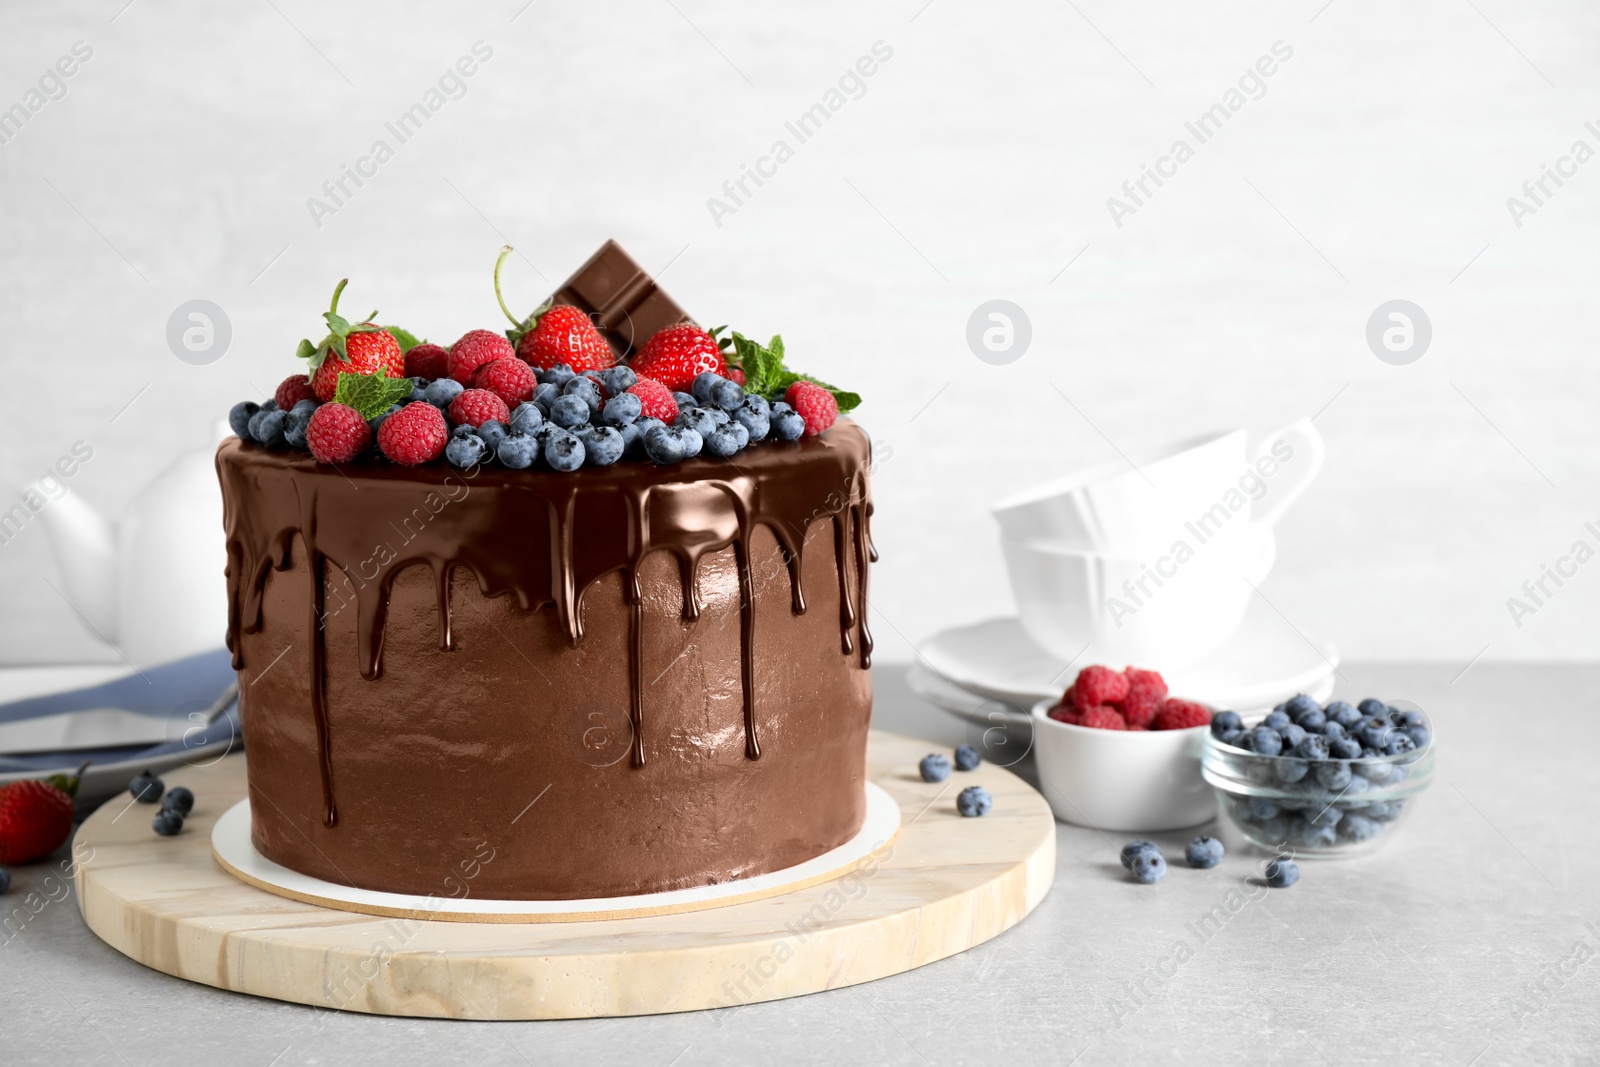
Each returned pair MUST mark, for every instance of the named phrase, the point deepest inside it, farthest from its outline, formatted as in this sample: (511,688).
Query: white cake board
(231,845)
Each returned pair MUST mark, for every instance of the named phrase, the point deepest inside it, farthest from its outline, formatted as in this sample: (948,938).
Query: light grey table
(1470,939)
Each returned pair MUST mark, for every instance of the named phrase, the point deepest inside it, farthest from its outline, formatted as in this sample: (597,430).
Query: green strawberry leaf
(306,350)
(371,394)
(338,325)
(407,339)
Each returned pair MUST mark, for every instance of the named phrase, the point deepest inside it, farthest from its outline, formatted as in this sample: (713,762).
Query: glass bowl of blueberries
(1323,781)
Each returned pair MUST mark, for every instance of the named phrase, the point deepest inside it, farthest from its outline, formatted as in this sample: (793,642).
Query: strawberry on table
(36,817)
(363,348)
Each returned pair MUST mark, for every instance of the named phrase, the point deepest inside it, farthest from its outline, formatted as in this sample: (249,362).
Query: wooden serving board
(947,883)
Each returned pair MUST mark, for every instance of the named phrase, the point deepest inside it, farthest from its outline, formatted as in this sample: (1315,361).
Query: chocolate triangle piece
(620,299)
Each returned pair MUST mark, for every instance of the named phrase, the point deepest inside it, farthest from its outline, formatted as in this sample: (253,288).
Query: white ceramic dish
(1146,500)
(1174,605)
(1264,662)
(1142,782)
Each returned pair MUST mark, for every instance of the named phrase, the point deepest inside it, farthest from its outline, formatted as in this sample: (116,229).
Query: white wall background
(976,165)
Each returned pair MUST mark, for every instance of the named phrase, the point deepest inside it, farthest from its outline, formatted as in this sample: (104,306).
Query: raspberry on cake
(655,400)
(292,390)
(413,435)
(510,379)
(474,407)
(475,349)
(427,361)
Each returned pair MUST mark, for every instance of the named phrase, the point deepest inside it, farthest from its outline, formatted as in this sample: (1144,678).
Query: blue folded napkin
(193,684)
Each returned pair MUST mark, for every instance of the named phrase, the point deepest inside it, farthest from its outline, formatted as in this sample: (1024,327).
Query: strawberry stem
(505,252)
(333,308)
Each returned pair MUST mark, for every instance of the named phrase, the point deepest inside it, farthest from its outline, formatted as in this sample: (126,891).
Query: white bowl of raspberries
(1117,752)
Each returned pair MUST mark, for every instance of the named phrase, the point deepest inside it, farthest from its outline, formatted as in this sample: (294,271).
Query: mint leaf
(762,367)
(847,401)
(765,373)
(371,394)
(407,339)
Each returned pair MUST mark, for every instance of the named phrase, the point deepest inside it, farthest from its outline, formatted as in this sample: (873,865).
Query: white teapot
(152,584)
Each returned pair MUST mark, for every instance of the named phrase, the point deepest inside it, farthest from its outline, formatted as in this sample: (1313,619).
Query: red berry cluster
(1132,699)
(371,387)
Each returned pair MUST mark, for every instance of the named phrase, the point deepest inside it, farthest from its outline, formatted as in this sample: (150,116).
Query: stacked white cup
(1153,560)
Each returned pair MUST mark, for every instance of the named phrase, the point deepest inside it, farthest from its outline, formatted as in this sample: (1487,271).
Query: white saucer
(231,846)
(1266,661)
(964,704)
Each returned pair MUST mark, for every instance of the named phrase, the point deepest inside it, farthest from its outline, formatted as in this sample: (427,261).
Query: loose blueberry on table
(974,801)
(1203,852)
(1133,848)
(1148,866)
(1281,873)
(146,788)
(935,767)
(180,800)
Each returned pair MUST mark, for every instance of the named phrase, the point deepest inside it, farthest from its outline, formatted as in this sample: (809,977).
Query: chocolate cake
(545,684)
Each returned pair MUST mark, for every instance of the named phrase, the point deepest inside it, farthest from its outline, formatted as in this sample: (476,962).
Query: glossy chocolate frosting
(616,681)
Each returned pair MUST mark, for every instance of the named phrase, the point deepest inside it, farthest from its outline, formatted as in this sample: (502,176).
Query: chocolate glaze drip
(541,537)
